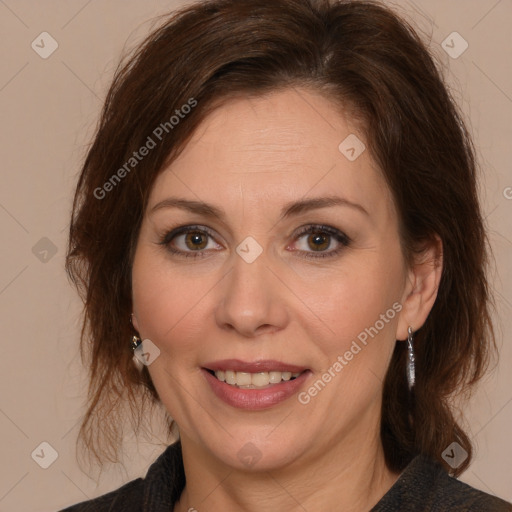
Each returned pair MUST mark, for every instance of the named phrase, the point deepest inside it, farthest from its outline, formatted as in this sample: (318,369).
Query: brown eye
(189,241)
(196,240)
(320,239)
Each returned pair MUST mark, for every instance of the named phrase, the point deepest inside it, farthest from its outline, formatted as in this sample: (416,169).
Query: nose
(252,299)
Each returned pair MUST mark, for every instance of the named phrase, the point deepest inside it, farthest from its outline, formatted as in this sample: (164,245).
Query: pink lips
(254,399)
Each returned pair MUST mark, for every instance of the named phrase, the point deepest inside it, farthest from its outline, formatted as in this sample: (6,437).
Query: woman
(277,236)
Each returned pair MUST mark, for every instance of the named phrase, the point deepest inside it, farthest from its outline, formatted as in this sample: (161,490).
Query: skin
(250,157)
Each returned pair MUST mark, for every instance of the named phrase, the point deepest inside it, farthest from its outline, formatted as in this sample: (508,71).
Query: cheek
(169,305)
(359,310)
(365,289)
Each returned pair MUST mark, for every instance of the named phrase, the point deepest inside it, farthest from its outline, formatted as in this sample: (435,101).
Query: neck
(350,476)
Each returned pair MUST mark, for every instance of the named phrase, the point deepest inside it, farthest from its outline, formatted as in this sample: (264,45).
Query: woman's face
(252,290)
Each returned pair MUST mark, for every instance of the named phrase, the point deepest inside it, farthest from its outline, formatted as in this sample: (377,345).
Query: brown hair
(358,54)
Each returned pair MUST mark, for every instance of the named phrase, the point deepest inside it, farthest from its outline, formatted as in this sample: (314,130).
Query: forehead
(275,148)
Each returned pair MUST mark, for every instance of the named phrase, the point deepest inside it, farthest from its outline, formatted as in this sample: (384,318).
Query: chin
(256,453)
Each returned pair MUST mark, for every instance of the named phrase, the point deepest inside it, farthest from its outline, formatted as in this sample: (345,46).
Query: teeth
(253,380)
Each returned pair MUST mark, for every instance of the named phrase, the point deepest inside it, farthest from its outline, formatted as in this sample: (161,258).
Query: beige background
(49,108)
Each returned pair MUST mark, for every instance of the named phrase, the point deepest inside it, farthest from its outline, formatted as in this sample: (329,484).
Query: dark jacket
(424,486)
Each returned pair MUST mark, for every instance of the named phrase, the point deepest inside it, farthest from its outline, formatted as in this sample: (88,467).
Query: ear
(134,322)
(422,284)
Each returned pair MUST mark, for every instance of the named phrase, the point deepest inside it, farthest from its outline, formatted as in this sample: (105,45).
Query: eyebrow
(289,210)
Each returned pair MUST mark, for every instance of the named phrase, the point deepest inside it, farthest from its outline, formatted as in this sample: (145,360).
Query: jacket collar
(165,480)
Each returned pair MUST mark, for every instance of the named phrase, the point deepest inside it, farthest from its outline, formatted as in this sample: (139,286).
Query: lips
(264,365)
(229,381)
(255,399)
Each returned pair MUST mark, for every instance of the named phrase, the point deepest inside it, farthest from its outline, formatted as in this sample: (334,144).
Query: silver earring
(411,371)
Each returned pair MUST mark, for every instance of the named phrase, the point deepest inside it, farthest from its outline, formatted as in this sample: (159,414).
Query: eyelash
(340,237)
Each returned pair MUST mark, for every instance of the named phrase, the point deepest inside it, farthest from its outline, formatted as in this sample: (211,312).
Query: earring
(411,371)
(136,341)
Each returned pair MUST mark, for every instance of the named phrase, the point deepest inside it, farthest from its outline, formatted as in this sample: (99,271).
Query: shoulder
(424,486)
(127,498)
(159,490)
(461,496)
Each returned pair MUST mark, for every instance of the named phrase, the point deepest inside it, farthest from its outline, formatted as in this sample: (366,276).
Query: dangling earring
(411,371)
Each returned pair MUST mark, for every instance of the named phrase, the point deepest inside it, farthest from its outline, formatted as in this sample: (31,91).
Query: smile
(255,390)
(260,380)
